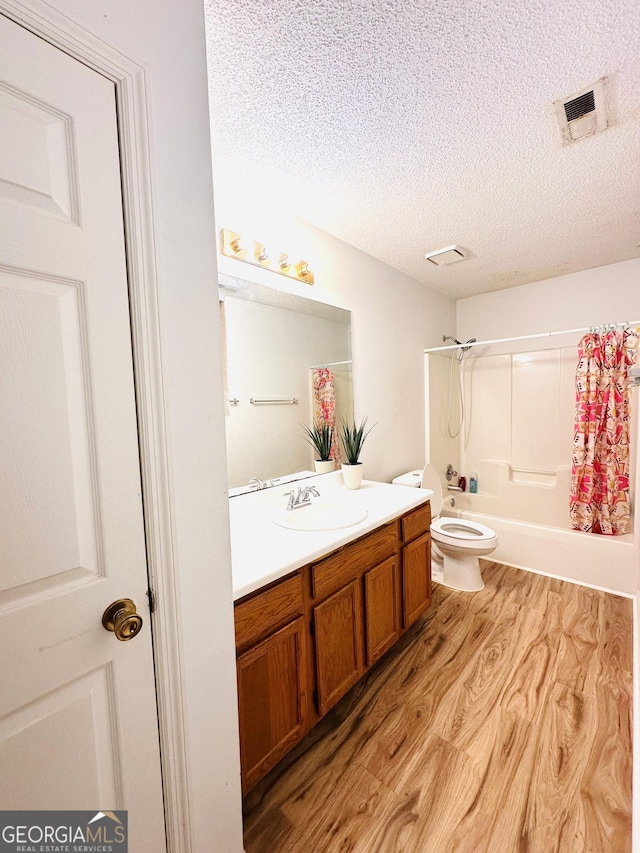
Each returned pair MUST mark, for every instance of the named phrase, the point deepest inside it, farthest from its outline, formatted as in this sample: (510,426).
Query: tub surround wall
(442,449)
(603,295)
(517,433)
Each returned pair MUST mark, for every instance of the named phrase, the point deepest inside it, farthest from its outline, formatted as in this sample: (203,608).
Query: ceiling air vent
(583,113)
(442,257)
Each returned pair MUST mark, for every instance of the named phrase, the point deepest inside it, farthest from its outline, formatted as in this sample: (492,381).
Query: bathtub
(609,563)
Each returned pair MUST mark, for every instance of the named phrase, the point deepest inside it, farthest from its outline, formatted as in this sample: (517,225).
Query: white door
(78,724)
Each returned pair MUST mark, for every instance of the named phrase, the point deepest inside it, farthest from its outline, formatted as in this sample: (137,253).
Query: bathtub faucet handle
(450,473)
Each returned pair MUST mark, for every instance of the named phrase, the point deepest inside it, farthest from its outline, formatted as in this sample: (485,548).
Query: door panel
(36,154)
(77,712)
(272,699)
(49,475)
(78,723)
(416,578)
(382,608)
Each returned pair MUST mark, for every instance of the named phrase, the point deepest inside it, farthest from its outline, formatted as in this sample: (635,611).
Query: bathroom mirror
(273,341)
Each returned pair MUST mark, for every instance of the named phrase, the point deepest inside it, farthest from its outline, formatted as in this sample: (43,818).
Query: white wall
(393,319)
(166,39)
(604,295)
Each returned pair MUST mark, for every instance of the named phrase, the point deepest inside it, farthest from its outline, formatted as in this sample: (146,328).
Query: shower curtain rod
(527,337)
(331,364)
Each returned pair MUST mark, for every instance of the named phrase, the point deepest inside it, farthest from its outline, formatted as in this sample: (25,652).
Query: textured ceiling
(408,125)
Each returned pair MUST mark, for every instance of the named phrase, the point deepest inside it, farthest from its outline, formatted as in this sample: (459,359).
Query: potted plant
(320,437)
(352,440)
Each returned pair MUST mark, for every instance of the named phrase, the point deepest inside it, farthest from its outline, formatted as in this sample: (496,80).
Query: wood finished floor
(501,722)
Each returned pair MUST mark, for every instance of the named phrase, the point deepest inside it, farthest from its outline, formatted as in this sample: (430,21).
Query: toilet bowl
(456,543)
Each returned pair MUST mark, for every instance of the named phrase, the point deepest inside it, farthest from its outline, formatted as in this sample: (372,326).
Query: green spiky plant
(320,438)
(353,438)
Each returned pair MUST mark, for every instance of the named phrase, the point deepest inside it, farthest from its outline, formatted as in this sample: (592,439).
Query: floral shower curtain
(324,404)
(600,472)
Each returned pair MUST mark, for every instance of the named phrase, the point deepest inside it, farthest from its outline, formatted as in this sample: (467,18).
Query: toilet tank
(411,478)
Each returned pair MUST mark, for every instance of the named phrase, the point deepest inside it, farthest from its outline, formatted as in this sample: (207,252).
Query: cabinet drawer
(416,522)
(257,616)
(350,561)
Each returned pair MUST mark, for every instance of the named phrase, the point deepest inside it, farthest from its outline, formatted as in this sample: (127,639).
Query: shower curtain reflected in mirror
(324,404)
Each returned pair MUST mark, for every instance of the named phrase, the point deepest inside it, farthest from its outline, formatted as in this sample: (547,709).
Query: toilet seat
(462,535)
(459,533)
(462,529)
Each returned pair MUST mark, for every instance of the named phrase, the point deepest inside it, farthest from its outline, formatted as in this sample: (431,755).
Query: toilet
(456,543)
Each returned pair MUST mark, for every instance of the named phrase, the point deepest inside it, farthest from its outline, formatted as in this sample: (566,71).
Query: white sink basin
(321,516)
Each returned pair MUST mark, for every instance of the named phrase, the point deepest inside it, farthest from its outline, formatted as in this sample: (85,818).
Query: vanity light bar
(232,245)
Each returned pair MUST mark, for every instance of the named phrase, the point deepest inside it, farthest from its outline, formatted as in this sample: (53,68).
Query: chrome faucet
(256,483)
(301,497)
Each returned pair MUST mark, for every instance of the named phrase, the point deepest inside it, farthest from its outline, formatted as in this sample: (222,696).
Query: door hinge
(151,595)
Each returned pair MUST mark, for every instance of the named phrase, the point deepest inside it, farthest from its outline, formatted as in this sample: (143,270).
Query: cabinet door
(416,578)
(338,633)
(382,608)
(272,700)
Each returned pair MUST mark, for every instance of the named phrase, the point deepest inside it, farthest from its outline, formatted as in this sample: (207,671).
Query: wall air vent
(448,255)
(582,113)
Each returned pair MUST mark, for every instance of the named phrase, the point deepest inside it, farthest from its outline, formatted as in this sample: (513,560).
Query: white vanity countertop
(262,551)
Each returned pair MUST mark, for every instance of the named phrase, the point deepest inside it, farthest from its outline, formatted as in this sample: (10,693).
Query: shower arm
(463,347)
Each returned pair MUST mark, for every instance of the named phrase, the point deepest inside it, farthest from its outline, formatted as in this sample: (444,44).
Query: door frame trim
(131,86)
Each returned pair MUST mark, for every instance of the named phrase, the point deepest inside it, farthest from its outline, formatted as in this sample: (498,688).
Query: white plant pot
(352,475)
(324,466)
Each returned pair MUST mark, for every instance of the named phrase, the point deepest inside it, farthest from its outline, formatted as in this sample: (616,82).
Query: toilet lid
(431,480)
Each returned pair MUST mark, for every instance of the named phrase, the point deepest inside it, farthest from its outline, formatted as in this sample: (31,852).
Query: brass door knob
(121,618)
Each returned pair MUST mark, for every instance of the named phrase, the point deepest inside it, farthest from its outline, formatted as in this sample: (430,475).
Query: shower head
(459,343)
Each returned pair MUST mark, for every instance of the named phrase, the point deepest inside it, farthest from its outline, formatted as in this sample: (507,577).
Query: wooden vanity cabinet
(320,629)
(272,671)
